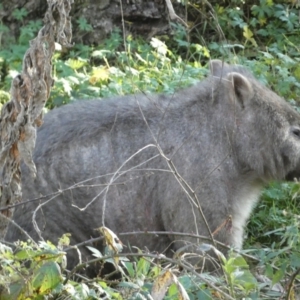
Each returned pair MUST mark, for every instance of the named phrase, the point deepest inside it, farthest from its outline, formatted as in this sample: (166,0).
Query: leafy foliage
(35,272)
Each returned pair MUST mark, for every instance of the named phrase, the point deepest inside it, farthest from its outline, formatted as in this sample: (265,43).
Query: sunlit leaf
(143,266)
(46,277)
(95,251)
(100,74)
(161,285)
(248,34)
(75,64)
(112,241)
(64,240)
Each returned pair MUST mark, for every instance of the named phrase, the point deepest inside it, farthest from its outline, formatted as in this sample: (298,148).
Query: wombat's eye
(296,132)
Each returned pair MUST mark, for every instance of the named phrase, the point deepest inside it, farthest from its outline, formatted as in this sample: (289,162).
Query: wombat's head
(264,128)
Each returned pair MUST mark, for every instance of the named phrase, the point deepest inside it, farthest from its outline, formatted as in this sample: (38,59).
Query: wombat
(154,162)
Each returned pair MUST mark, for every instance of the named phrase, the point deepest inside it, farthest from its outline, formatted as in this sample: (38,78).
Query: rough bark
(23,113)
(141,17)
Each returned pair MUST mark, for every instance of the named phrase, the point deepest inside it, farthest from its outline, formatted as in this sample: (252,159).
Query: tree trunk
(141,17)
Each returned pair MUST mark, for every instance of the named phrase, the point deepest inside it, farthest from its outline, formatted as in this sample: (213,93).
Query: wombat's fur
(227,137)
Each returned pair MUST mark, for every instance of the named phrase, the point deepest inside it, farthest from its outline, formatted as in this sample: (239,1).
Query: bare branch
(172,13)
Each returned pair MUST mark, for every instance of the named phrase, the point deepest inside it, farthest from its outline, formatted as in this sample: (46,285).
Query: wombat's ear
(240,86)
(216,67)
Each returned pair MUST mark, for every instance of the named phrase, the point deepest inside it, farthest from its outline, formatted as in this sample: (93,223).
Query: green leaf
(25,254)
(64,240)
(130,285)
(38,255)
(240,262)
(129,268)
(286,58)
(95,251)
(84,25)
(75,64)
(267,55)
(269,271)
(279,274)
(297,72)
(15,291)
(47,277)
(100,53)
(204,295)
(248,34)
(245,279)
(19,14)
(295,260)
(143,266)
(83,291)
(172,290)
(3,28)
(262,32)
(186,281)
(66,85)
